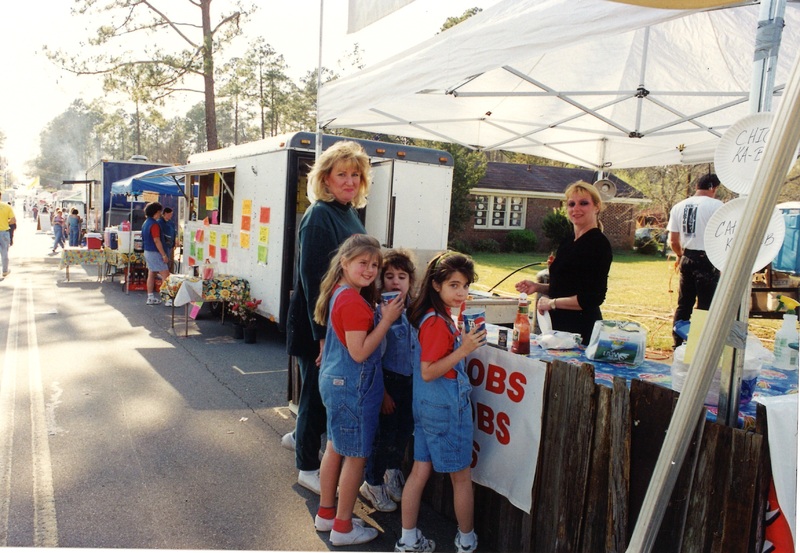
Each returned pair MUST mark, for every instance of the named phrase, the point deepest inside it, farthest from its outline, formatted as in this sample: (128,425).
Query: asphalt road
(116,433)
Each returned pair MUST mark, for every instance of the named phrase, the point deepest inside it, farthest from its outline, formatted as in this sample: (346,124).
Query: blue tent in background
(163,180)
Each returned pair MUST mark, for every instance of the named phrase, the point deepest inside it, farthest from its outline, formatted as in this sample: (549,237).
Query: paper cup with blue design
(388,297)
(474,317)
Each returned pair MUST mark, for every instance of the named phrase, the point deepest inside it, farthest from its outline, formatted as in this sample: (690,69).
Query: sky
(33,90)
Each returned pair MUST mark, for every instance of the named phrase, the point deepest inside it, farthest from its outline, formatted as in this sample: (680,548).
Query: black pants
(312,418)
(698,281)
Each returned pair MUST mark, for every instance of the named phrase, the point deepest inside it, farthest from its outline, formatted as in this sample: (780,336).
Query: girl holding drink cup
(349,381)
(442,410)
(383,485)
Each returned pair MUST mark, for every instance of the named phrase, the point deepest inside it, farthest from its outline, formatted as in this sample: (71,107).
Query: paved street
(116,433)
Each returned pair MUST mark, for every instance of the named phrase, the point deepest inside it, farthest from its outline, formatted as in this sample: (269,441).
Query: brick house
(517,196)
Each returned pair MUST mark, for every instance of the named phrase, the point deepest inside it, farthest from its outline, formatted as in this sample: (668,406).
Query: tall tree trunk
(138,130)
(212,141)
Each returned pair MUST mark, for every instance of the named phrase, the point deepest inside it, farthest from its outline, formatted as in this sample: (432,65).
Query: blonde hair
(355,246)
(354,156)
(580,187)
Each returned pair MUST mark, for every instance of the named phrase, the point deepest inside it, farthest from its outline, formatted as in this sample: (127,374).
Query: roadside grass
(641,288)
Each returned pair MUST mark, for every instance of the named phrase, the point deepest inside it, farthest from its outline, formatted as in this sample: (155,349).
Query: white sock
(409,537)
(467,539)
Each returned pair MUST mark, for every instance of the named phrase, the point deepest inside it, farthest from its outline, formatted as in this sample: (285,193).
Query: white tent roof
(589,82)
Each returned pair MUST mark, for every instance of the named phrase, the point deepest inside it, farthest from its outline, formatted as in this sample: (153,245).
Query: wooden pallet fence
(599,447)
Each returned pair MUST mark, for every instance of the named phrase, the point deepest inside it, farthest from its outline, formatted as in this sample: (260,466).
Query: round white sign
(740,149)
(721,233)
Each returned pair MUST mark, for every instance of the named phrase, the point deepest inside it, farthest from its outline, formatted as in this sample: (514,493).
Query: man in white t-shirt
(687,225)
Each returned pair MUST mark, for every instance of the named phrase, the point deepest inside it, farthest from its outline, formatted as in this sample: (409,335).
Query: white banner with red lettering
(507,402)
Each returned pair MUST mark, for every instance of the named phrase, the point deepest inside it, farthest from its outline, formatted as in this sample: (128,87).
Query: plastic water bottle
(786,357)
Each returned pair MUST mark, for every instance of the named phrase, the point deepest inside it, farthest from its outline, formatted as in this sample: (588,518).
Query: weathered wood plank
(567,431)
(757,526)
(593,526)
(740,500)
(619,468)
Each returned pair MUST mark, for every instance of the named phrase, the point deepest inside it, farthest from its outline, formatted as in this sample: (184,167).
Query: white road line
(45,526)
(7,391)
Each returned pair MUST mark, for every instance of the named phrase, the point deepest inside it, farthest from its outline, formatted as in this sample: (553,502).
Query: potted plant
(245,314)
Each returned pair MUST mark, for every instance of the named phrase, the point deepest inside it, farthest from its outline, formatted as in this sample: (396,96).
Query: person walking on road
(154,253)
(74,226)
(7,219)
(58,230)
(687,225)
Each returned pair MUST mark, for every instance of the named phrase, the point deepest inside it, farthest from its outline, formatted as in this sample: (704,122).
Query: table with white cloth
(82,256)
(183,290)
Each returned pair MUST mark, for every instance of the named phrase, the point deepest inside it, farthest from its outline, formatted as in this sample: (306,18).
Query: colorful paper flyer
(211,203)
(212,251)
(215,217)
(245,222)
(212,237)
(192,261)
(223,255)
(264,217)
(198,236)
(216,184)
(247,207)
(263,234)
(263,251)
(224,239)
(244,240)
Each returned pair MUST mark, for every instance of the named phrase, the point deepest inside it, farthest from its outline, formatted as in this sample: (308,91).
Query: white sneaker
(359,534)
(309,479)
(377,496)
(153,301)
(168,303)
(394,481)
(465,549)
(288,441)
(326,524)
(423,545)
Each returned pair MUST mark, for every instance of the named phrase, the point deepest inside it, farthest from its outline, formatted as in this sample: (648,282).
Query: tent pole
(769,178)
(770,26)
(318,145)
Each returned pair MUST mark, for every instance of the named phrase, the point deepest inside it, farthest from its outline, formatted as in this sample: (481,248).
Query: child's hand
(388,405)
(391,311)
(473,339)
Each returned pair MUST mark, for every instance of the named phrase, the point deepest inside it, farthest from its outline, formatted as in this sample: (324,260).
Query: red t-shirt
(155,231)
(436,341)
(350,313)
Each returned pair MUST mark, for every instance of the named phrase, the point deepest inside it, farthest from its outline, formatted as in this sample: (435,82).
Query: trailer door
(379,215)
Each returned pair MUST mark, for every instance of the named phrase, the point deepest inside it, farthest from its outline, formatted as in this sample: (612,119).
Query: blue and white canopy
(163,180)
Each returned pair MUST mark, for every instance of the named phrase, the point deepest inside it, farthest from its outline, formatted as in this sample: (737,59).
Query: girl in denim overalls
(442,411)
(383,481)
(350,382)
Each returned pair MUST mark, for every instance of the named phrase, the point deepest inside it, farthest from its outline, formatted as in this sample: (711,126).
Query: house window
(500,212)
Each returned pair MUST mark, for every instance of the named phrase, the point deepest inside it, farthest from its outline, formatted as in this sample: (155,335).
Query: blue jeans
(312,418)
(5,242)
(74,236)
(394,430)
(58,233)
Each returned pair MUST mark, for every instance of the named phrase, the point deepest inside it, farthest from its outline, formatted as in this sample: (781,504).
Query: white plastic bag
(557,339)
(617,342)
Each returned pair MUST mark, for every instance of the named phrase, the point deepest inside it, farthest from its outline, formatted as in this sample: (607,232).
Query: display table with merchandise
(558,435)
(183,290)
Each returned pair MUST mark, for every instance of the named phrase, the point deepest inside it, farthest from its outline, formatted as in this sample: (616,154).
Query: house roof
(547,181)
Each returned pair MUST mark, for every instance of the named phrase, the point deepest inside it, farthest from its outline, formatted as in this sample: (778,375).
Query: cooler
(94,241)
(127,240)
(110,238)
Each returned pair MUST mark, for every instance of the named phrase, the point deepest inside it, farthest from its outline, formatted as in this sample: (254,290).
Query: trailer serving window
(216,196)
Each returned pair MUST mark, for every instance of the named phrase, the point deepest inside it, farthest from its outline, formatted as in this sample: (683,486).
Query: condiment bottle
(521,337)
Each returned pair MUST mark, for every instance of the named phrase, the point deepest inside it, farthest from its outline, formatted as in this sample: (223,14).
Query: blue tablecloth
(771,381)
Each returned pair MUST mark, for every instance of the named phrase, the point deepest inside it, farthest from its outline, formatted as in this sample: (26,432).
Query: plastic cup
(474,317)
(387,297)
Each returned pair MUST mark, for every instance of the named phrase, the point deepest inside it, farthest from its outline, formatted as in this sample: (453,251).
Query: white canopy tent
(589,82)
